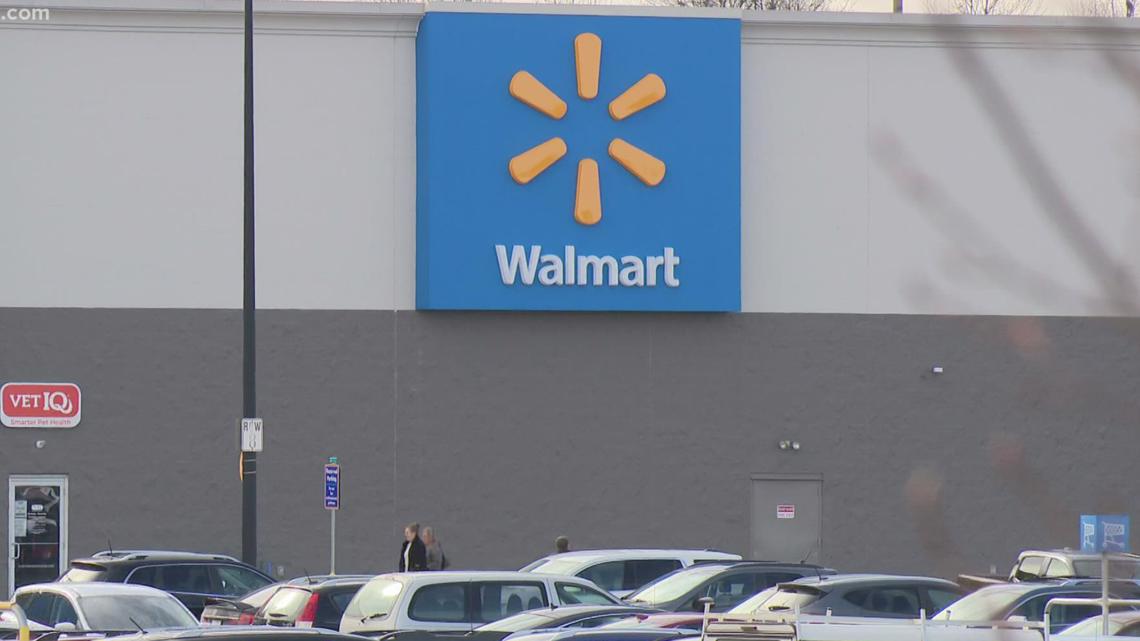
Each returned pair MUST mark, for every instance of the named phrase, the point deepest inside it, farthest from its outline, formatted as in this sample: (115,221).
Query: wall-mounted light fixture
(790,445)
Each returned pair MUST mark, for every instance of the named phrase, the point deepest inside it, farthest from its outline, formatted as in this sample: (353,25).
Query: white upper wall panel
(883,165)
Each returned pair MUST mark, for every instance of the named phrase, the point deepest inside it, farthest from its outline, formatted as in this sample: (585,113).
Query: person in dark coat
(413,554)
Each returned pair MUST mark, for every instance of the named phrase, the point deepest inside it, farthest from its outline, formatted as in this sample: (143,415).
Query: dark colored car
(864,595)
(311,604)
(1026,602)
(727,584)
(193,578)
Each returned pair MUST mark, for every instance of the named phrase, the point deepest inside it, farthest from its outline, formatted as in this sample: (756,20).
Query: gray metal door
(787,510)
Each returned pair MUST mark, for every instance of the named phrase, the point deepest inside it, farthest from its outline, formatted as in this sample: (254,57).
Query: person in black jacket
(413,554)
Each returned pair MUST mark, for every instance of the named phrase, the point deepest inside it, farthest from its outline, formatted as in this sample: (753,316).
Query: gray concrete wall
(504,430)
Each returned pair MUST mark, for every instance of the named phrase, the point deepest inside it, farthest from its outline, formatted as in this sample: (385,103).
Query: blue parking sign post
(332,504)
(1106,534)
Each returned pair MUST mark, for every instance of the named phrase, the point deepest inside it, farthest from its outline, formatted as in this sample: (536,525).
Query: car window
(331,606)
(1062,616)
(37,606)
(888,601)
(192,578)
(63,612)
(638,572)
(443,602)
(608,576)
(1030,567)
(498,600)
(233,580)
(730,590)
(1056,568)
(375,600)
(286,604)
(572,594)
(939,599)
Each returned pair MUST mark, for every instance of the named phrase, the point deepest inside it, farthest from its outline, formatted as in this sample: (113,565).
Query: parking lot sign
(332,486)
(1105,533)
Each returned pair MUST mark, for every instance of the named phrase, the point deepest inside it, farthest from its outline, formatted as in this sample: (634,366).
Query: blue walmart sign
(578,163)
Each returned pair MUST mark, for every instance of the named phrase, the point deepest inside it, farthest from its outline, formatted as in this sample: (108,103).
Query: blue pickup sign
(332,486)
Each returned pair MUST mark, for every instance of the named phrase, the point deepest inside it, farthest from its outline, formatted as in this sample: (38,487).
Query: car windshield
(522,621)
(672,586)
(133,612)
(1117,569)
(558,566)
(983,605)
(776,600)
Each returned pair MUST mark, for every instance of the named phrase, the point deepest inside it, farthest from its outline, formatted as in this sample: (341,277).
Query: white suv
(459,601)
(623,571)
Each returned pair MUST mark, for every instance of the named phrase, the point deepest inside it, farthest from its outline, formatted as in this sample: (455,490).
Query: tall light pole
(248,312)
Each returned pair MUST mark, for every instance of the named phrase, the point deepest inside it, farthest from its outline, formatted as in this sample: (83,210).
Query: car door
(494,600)
(731,589)
(190,583)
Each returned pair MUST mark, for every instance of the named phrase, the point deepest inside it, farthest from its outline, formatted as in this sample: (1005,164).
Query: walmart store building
(771,283)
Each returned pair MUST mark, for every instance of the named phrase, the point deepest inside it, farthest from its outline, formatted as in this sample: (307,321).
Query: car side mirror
(65,626)
(1017,618)
(699,604)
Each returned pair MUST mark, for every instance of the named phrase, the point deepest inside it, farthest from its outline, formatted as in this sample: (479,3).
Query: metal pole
(332,537)
(1104,591)
(248,311)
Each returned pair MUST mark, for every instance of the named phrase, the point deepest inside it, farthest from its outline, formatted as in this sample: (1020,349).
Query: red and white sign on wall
(786,511)
(39,405)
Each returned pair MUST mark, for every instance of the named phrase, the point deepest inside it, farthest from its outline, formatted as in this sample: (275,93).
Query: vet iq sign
(570,162)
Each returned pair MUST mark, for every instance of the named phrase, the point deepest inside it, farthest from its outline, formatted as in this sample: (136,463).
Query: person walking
(413,555)
(561,544)
(436,560)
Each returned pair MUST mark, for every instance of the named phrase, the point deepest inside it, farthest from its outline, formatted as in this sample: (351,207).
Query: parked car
(239,611)
(241,633)
(318,604)
(570,617)
(102,606)
(620,572)
(193,578)
(1034,565)
(1120,624)
(1026,602)
(460,601)
(864,595)
(727,584)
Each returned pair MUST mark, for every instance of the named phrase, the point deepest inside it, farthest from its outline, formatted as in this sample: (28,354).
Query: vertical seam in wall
(395,69)
(867,183)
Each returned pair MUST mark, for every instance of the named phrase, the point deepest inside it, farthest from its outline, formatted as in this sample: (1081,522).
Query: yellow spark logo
(526,166)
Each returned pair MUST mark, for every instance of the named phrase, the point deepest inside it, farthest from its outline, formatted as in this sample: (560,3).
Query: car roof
(471,575)
(94,588)
(572,610)
(639,553)
(1047,585)
(861,579)
(319,583)
(128,556)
